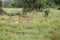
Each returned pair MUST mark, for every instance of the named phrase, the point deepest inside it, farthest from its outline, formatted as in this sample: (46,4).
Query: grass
(37,30)
(13,10)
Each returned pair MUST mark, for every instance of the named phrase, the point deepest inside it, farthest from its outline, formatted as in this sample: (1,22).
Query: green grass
(37,30)
(13,10)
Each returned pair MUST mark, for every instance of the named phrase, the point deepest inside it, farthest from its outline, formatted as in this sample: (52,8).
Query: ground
(39,29)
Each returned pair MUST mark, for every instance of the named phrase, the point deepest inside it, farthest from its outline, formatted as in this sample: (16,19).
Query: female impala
(26,17)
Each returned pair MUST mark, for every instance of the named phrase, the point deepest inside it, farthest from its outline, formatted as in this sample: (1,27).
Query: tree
(33,4)
(28,5)
(17,3)
(42,2)
(0,7)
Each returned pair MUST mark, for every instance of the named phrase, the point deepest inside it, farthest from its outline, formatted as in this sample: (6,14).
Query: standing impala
(26,17)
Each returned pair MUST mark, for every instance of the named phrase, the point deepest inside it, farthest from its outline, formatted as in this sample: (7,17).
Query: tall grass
(39,29)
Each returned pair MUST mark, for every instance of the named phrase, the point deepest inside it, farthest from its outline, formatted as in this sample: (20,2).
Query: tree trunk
(0,7)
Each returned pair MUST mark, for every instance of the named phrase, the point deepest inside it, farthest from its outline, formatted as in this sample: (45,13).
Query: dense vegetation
(20,3)
(38,29)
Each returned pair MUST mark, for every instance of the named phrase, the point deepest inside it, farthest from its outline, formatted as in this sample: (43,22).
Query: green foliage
(43,2)
(30,3)
(17,3)
(57,1)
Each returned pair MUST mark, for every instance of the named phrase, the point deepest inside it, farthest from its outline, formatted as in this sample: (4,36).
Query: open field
(39,29)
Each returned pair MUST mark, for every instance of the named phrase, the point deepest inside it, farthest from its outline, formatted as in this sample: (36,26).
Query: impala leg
(19,18)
